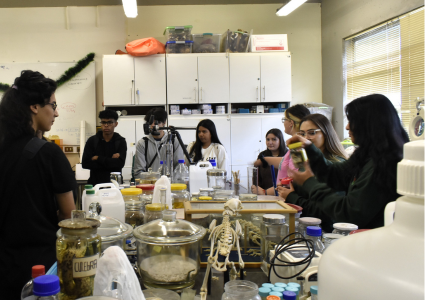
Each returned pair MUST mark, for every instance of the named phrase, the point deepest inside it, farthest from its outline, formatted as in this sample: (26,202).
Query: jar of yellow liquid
(179,194)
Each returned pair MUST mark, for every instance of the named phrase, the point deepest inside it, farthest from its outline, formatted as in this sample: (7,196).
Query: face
(350,133)
(44,117)
(272,142)
(160,124)
(204,135)
(288,124)
(108,125)
(316,137)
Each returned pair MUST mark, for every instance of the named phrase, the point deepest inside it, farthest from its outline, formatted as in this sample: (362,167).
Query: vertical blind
(388,59)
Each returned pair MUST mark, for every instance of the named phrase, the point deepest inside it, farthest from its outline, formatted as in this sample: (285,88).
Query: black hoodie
(101,168)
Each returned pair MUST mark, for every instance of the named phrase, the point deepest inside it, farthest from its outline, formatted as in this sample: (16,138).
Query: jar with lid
(315,234)
(132,195)
(314,289)
(240,289)
(303,223)
(329,238)
(154,211)
(208,192)
(264,292)
(117,177)
(78,246)
(344,228)
(179,194)
(134,214)
(273,230)
(205,198)
(298,155)
(216,178)
(149,177)
(168,252)
(194,197)
(147,192)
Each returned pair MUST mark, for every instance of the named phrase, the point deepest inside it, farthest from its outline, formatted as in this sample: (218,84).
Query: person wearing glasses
(36,181)
(105,152)
(368,176)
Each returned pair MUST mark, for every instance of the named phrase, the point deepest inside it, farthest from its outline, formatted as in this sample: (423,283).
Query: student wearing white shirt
(207,145)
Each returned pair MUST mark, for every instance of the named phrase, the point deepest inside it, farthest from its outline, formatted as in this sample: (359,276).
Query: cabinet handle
(200,98)
(138,96)
(131,93)
(256,92)
(194,89)
(264,94)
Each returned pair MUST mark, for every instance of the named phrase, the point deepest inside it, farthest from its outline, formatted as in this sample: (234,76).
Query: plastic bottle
(36,271)
(181,173)
(84,195)
(213,163)
(313,290)
(46,287)
(161,167)
(315,233)
(264,292)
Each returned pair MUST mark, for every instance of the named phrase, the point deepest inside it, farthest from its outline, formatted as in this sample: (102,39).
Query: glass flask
(344,228)
(78,251)
(168,252)
(179,194)
(240,289)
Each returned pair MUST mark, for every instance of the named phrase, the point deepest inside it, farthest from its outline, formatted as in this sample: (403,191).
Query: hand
(95,157)
(116,155)
(299,139)
(300,177)
(260,191)
(284,191)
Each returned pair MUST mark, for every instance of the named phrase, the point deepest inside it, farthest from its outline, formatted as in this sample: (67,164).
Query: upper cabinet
(260,77)
(129,80)
(197,78)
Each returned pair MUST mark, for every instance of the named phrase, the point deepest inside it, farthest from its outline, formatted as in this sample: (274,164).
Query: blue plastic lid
(46,285)
(292,289)
(264,291)
(268,285)
(178,42)
(279,294)
(181,161)
(161,162)
(294,284)
(278,289)
(287,295)
(314,231)
(314,289)
(280,284)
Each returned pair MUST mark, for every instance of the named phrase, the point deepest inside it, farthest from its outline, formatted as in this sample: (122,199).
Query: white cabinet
(118,80)
(149,80)
(260,77)
(197,78)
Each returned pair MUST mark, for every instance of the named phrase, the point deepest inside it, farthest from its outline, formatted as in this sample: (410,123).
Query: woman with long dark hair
(36,181)
(207,145)
(368,177)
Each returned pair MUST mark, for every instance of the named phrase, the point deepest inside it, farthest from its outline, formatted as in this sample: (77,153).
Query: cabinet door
(269,121)
(182,78)
(213,74)
(149,79)
(244,77)
(118,80)
(276,77)
(127,129)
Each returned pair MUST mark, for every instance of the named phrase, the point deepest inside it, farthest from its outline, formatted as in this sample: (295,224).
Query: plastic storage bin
(206,43)
(179,46)
(235,41)
(178,33)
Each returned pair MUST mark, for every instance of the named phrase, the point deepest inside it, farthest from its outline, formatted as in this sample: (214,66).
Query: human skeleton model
(225,237)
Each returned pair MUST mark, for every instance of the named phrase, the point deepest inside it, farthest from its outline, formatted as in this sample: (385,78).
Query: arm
(114,163)
(65,204)
(89,152)
(221,157)
(139,159)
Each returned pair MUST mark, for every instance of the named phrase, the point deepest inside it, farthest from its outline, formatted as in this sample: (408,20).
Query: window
(388,59)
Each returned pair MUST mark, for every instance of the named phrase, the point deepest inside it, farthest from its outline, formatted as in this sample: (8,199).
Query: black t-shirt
(28,210)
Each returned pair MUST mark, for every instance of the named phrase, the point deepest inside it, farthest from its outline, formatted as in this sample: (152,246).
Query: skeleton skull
(233,205)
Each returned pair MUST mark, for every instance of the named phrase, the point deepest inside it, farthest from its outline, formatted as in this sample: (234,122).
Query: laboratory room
(234,150)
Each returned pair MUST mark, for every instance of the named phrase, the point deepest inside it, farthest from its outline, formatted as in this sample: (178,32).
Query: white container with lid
(304,222)
(111,200)
(273,230)
(344,228)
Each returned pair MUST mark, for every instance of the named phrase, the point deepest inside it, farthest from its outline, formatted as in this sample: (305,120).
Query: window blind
(388,59)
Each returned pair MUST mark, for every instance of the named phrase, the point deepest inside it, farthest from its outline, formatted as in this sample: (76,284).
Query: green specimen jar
(298,155)
(78,251)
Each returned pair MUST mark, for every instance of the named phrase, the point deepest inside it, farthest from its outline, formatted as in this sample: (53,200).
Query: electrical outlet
(69,149)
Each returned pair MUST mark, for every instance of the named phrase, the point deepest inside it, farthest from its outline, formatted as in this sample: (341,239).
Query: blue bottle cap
(292,289)
(161,162)
(279,294)
(267,285)
(278,289)
(46,285)
(294,284)
(264,291)
(314,289)
(181,161)
(287,295)
(314,231)
(280,284)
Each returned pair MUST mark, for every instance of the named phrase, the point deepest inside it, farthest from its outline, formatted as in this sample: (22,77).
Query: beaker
(252,184)
(169,166)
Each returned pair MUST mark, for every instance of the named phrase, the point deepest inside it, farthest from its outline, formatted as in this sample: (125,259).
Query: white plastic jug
(111,200)
(198,175)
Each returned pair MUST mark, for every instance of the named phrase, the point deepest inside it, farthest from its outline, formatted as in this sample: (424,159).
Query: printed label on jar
(85,266)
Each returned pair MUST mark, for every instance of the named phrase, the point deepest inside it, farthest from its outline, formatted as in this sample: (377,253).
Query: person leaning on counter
(368,176)
(36,181)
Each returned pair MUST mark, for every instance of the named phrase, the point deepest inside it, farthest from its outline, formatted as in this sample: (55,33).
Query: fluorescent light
(130,8)
(288,7)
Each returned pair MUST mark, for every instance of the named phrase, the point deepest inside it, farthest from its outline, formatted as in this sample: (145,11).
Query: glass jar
(78,251)
(344,228)
(303,223)
(194,197)
(240,289)
(299,210)
(117,177)
(168,252)
(208,192)
(273,230)
(147,192)
(179,194)
(216,178)
(132,195)
(154,211)
(298,155)
(329,238)
(134,214)
(223,195)
(149,177)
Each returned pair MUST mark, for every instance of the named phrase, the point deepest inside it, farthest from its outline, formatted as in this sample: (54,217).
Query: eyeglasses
(107,123)
(54,105)
(308,133)
(288,119)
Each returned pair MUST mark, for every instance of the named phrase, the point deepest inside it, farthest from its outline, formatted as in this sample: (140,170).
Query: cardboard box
(269,42)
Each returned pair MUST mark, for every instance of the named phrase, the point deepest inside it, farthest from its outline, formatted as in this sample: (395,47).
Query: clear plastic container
(315,234)
(154,211)
(181,173)
(273,230)
(235,41)
(216,178)
(298,155)
(329,238)
(207,192)
(240,289)
(179,46)
(178,33)
(344,228)
(134,214)
(36,271)
(46,287)
(314,289)
(179,194)
(132,195)
(303,223)
(206,43)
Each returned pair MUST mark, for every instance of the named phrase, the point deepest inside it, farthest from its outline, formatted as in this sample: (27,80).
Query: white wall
(340,19)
